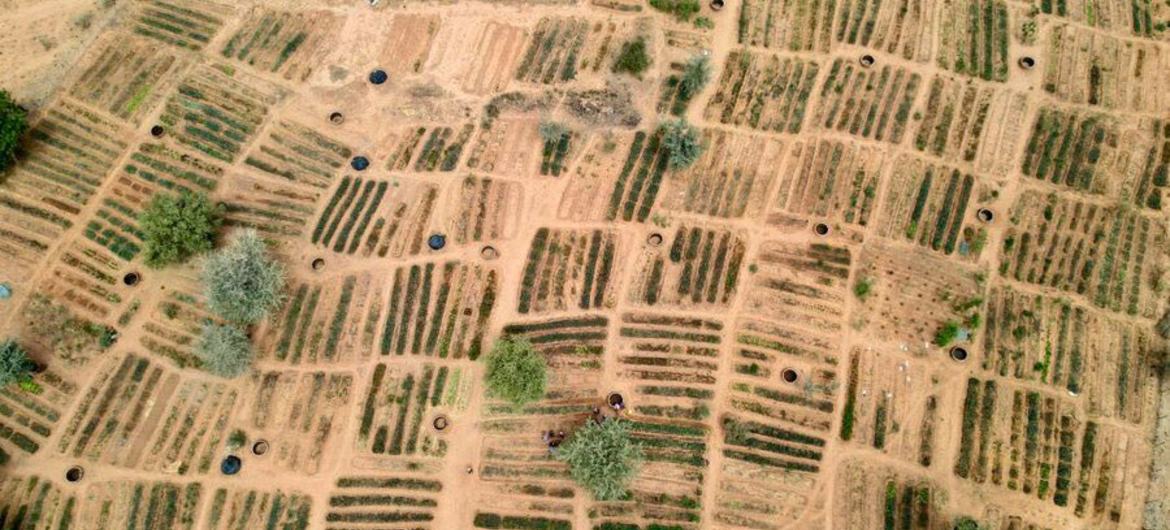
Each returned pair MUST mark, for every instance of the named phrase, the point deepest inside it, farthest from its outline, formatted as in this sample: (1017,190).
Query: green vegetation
(603,458)
(681,9)
(966,523)
(683,141)
(13,124)
(863,288)
(242,283)
(15,366)
(515,372)
(633,59)
(946,334)
(237,440)
(225,350)
(696,74)
(178,226)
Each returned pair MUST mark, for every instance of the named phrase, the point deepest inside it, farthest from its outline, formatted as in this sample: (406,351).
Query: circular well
(985,215)
(131,278)
(318,264)
(821,229)
(260,447)
(336,118)
(379,76)
(959,353)
(789,375)
(440,423)
(867,60)
(1027,62)
(615,400)
(157,131)
(716,5)
(489,253)
(654,240)
(231,465)
(75,474)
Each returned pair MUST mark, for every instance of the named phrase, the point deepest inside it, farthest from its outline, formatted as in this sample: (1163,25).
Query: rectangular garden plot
(590,194)
(217,114)
(763,91)
(1088,67)
(1154,184)
(34,503)
(376,216)
(488,210)
(700,267)
(569,268)
(141,415)
(299,413)
(85,278)
(327,322)
(438,310)
(730,180)
(408,43)
(573,349)
(885,408)
(1086,152)
(127,76)
(934,206)
(282,41)
(401,405)
(140,504)
(247,508)
(831,180)
(509,143)
(639,180)
(27,420)
(495,48)
(554,51)
(787,24)
(431,148)
(975,38)
(966,122)
(172,327)
(899,28)
(384,501)
(183,23)
(1120,17)
(1071,347)
(884,498)
(1081,247)
(870,103)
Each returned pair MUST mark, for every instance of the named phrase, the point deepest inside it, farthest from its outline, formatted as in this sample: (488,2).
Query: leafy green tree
(242,283)
(602,457)
(178,226)
(13,124)
(946,334)
(515,372)
(225,350)
(683,141)
(15,366)
(696,74)
(633,58)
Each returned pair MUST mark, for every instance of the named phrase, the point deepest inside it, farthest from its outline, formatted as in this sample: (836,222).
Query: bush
(13,124)
(603,458)
(71,339)
(178,226)
(695,75)
(14,363)
(633,59)
(966,523)
(863,288)
(224,349)
(515,372)
(551,131)
(242,283)
(946,334)
(683,142)
(681,9)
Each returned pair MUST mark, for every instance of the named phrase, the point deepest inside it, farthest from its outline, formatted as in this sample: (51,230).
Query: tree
(551,131)
(682,141)
(178,226)
(633,58)
(241,282)
(946,334)
(224,349)
(695,75)
(603,458)
(15,366)
(515,372)
(13,124)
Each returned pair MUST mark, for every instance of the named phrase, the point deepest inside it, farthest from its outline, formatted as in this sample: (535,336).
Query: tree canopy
(241,282)
(603,458)
(178,226)
(15,365)
(13,124)
(683,141)
(633,58)
(695,75)
(224,349)
(515,372)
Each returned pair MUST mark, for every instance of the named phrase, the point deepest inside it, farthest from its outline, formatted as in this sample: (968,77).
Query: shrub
(178,226)
(237,440)
(224,349)
(681,9)
(603,458)
(946,334)
(633,59)
(13,124)
(242,283)
(14,363)
(551,131)
(695,75)
(966,523)
(683,142)
(863,288)
(515,372)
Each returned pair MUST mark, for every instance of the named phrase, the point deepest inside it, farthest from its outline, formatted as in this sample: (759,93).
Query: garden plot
(408,43)
(1071,347)
(912,294)
(1088,67)
(763,91)
(299,413)
(487,210)
(573,349)
(971,123)
(27,420)
(431,148)
(974,38)
(730,180)
(284,42)
(885,408)
(127,76)
(483,55)
(1108,254)
(384,501)
(272,207)
(508,144)
(905,29)
(140,415)
(1116,16)
(639,180)
(439,310)
(1038,444)
(884,498)
(933,205)
(52,328)
(796,25)
(870,103)
(1016,522)
(590,192)
(1086,152)
(34,503)
(326,322)
(173,325)
(186,24)
(140,504)
(1154,183)
(831,180)
(376,216)
(401,405)
(700,268)
(803,288)
(563,47)
(246,508)
(67,155)
(569,268)
(217,114)
(85,278)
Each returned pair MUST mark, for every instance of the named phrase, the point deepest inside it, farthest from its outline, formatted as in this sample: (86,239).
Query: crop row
(267,510)
(763,91)
(182,23)
(562,263)
(215,113)
(277,41)
(637,184)
(1154,183)
(1065,148)
(439,312)
(36,504)
(870,103)
(395,407)
(125,76)
(486,207)
(701,266)
(140,504)
(833,179)
(928,204)
(552,54)
(782,25)
(297,153)
(975,38)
